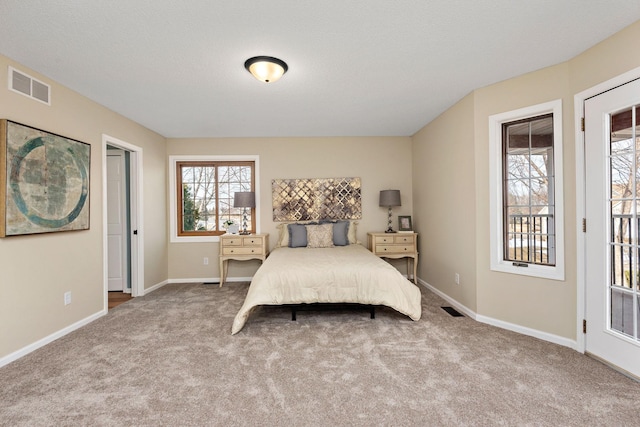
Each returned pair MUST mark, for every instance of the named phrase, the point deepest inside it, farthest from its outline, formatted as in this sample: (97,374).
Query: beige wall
(610,58)
(444,202)
(381,163)
(544,305)
(36,271)
(547,306)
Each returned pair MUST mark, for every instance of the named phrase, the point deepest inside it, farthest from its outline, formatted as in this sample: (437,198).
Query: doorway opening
(123,258)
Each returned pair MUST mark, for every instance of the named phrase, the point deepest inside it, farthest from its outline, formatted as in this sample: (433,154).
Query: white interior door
(612,203)
(116,221)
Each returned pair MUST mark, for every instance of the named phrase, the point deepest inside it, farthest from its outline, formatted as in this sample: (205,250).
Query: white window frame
(173,208)
(498,263)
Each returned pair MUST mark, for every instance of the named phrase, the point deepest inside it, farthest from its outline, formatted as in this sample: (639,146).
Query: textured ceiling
(356,67)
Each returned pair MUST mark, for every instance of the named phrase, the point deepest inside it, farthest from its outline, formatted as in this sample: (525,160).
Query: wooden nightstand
(241,248)
(396,245)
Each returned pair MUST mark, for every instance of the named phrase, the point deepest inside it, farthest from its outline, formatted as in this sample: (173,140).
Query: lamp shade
(266,68)
(244,199)
(390,198)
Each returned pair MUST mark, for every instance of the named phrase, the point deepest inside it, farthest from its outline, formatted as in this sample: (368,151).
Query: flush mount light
(266,68)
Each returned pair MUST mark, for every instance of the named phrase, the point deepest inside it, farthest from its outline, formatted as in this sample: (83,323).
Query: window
(526,232)
(202,195)
(527,194)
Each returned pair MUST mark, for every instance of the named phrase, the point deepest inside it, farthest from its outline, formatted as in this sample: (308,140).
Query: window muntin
(528,192)
(204,195)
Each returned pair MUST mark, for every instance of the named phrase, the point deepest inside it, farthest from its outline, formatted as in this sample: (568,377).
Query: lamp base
(390,230)
(246,233)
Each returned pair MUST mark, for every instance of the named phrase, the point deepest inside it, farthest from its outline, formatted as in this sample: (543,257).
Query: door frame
(136,211)
(578,105)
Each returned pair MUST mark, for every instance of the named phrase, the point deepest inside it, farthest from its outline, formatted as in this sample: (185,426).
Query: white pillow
(352,233)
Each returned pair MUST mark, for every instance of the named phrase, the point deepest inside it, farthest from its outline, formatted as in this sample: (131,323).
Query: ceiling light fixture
(266,68)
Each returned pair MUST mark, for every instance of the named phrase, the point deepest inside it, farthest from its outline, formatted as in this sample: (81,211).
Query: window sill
(532,270)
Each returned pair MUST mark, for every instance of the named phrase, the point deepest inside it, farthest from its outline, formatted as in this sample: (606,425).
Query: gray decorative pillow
(341,233)
(297,235)
(320,236)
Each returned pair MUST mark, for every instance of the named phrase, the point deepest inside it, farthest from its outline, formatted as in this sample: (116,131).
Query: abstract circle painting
(47,186)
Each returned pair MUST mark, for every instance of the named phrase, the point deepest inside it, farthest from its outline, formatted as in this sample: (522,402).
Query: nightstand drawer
(384,239)
(252,241)
(404,239)
(394,249)
(242,251)
(234,241)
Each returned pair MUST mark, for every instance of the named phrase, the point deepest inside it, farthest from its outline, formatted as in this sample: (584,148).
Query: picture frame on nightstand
(404,224)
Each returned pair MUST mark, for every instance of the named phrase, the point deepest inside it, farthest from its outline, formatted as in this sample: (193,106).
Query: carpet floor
(168,359)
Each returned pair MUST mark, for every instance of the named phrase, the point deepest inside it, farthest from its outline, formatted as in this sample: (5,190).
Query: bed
(329,273)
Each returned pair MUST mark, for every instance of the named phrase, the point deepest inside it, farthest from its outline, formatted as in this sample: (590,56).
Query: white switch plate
(67,298)
(206,261)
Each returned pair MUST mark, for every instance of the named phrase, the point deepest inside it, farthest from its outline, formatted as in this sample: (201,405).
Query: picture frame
(44,181)
(404,223)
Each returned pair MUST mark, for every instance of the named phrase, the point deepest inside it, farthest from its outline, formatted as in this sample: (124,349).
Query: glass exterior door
(612,182)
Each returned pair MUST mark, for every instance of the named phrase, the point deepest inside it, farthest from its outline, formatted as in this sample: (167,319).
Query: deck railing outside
(531,239)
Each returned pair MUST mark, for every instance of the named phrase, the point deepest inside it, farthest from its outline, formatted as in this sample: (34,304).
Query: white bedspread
(342,274)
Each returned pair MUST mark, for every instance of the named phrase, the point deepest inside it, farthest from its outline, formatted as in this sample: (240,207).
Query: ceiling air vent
(27,85)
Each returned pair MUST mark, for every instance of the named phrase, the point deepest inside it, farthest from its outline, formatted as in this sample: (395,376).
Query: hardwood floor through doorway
(117,298)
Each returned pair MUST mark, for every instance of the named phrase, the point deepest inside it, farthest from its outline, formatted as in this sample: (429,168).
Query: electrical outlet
(67,298)
(457,278)
(206,261)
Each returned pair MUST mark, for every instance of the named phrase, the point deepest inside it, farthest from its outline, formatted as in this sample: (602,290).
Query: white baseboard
(210,280)
(458,306)
(48,339)
(545,336)
(196,280)
(155,287)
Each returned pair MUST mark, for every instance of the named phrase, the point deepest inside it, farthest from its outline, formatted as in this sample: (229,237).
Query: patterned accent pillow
(320,236)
